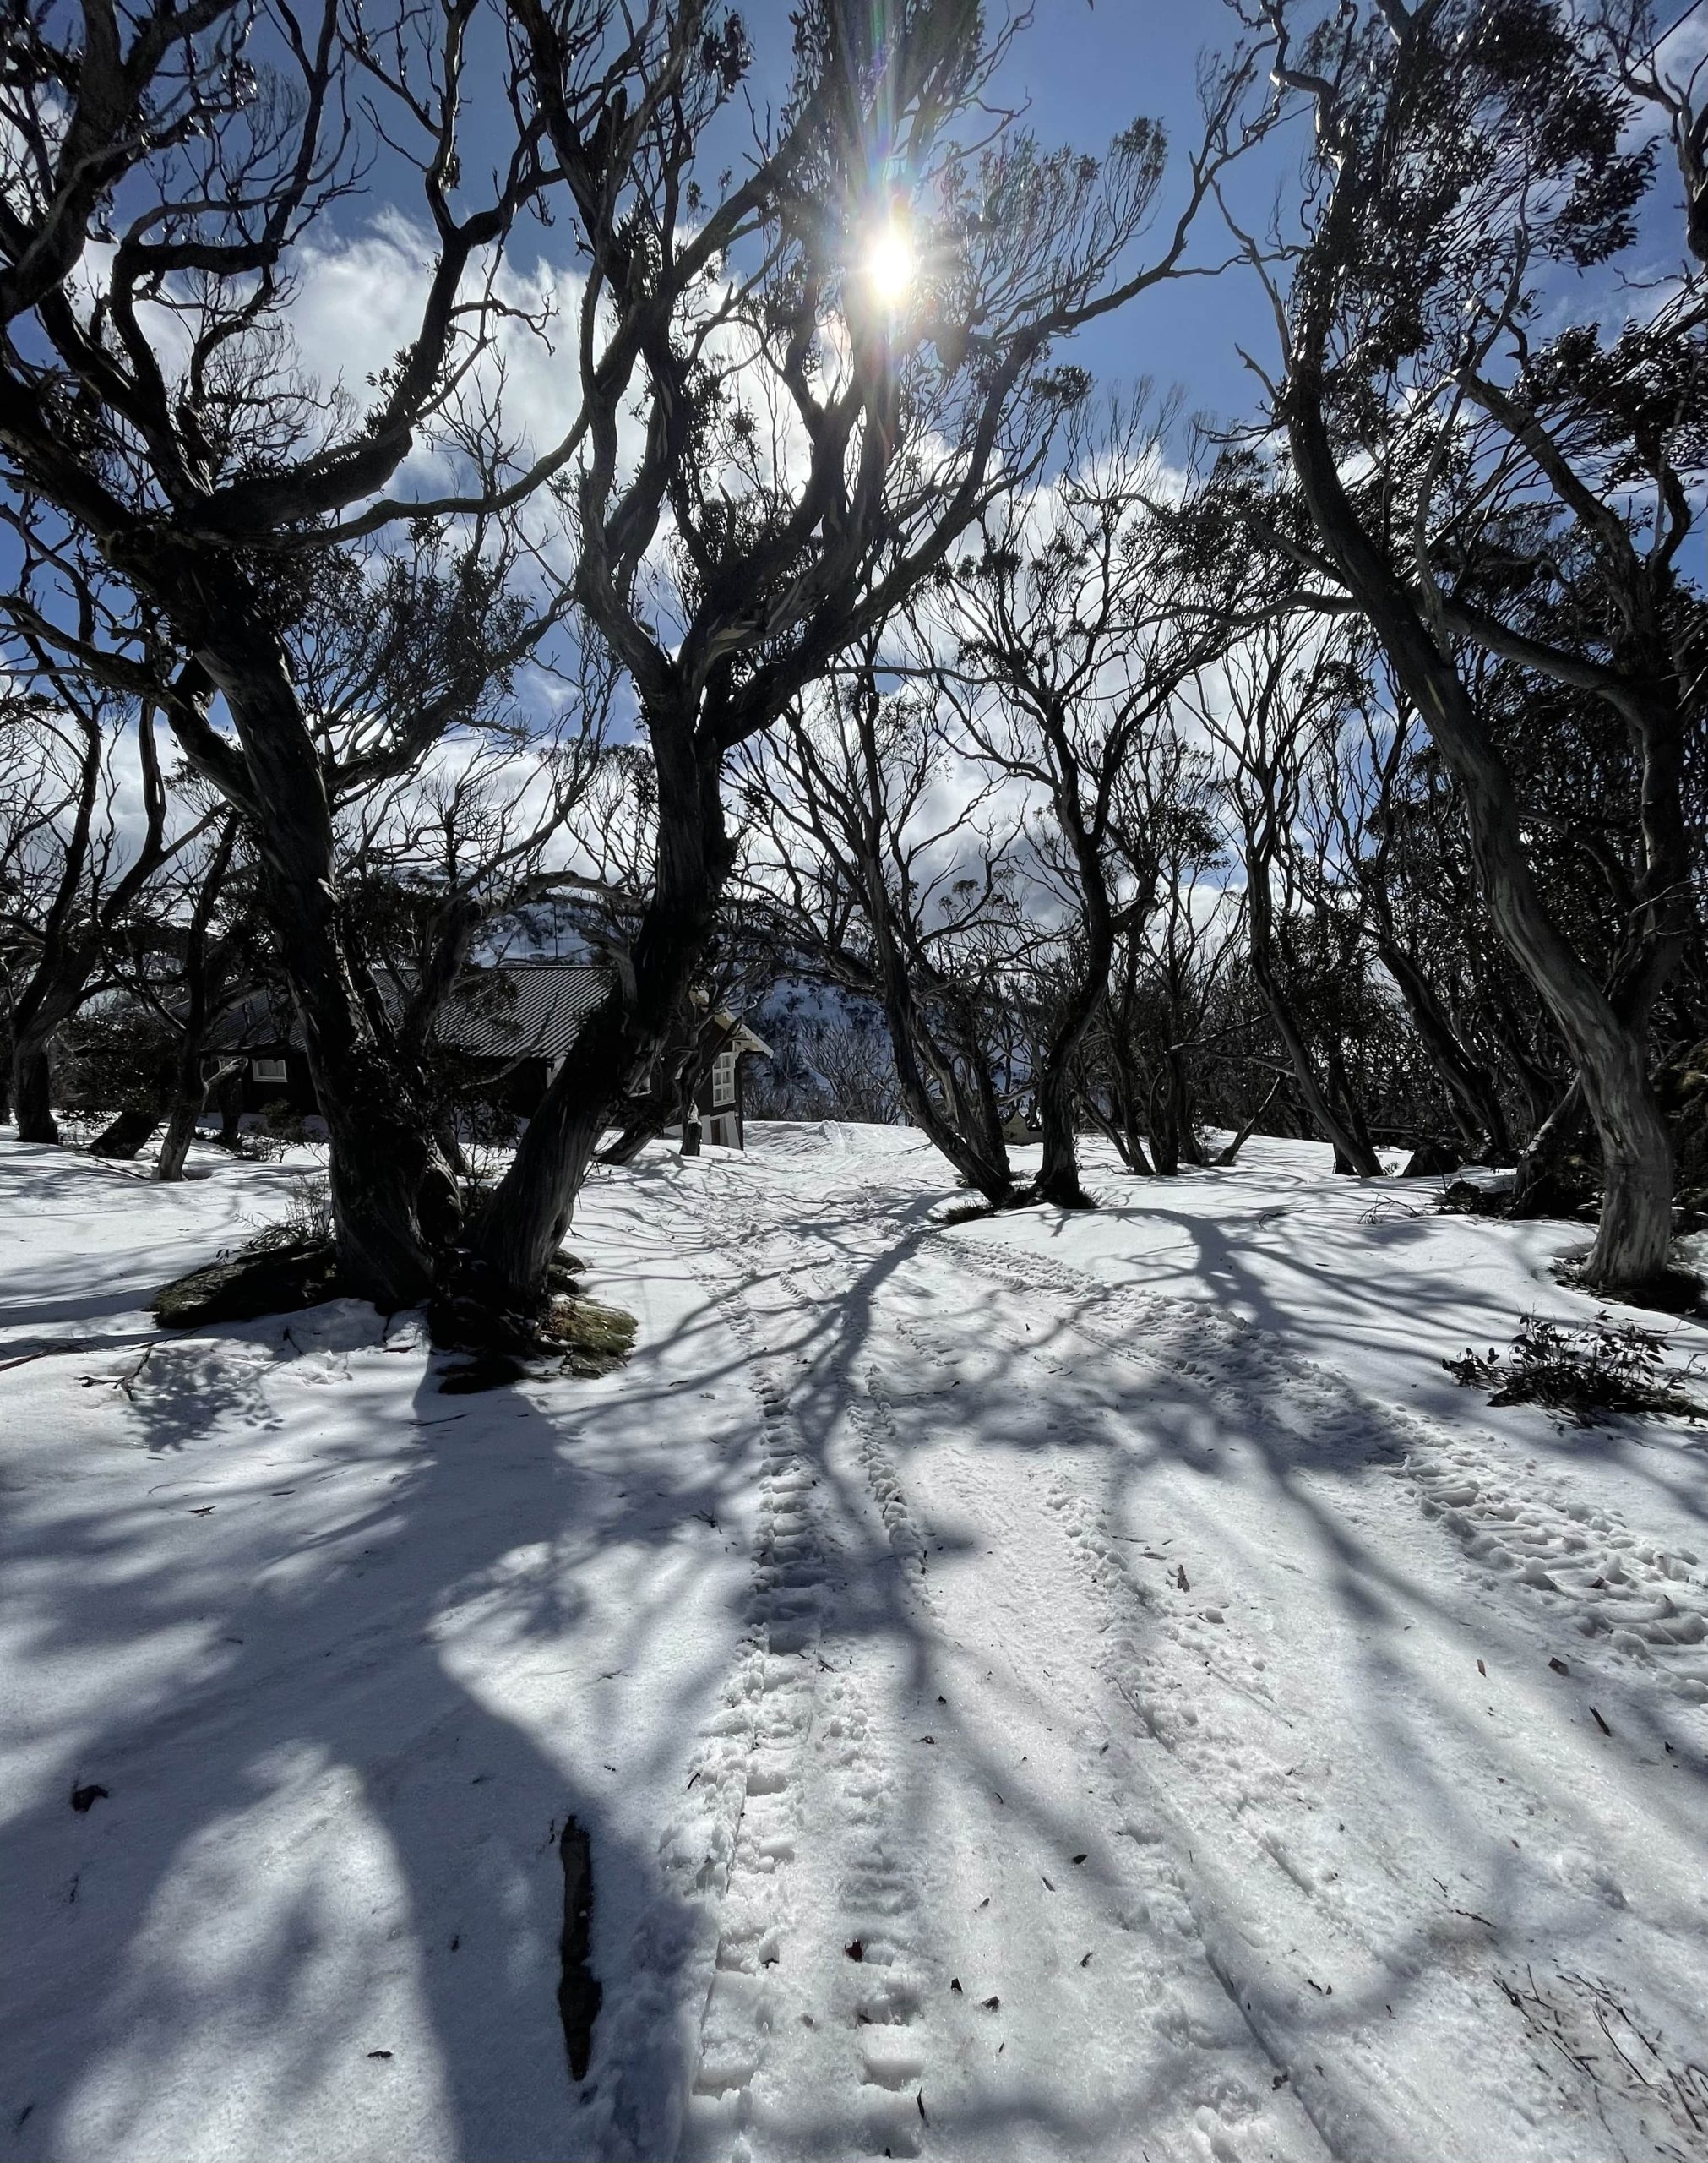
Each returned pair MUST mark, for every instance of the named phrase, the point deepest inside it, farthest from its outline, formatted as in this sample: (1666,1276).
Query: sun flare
(891,265)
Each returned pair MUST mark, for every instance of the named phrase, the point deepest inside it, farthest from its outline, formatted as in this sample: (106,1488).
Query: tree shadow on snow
(342,1808)
(1336,1475)
(232,1940)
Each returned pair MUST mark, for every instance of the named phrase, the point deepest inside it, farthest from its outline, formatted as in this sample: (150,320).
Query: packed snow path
(1048,1687)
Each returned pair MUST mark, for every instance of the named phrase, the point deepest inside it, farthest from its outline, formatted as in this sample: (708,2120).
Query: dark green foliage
(1585,1373)
(119,1055)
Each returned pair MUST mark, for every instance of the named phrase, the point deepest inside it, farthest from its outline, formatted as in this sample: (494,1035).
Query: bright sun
(890,264)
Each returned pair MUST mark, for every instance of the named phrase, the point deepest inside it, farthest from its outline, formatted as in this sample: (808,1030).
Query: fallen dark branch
(580,1991)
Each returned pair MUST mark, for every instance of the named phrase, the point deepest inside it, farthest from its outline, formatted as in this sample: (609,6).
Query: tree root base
(1018,1197)
(563,1332)
(1673,1292)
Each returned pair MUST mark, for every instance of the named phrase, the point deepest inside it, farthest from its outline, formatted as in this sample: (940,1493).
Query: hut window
(723,1078)
(268,1069)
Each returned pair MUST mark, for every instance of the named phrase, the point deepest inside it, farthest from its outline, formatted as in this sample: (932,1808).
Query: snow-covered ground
(1056,1686)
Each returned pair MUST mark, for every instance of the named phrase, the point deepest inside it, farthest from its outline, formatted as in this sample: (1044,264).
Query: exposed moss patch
(271,1276)
(567,1334)
(596,1338)
(473,1312)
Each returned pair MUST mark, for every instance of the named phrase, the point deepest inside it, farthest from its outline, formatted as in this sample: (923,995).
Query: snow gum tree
(1473,489)
(807,357)
(73,874)
(1075,625)
(1269,698)
(889,873)
(167,174)
(806,366)
(1169,960)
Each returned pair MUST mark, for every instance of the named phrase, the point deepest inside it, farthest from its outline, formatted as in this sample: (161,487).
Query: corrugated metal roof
(516,1009)
(511,1010)
(526,1009)
(254,1023)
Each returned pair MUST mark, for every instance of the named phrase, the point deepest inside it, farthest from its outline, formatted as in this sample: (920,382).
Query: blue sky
(1084,72)
(1089,71)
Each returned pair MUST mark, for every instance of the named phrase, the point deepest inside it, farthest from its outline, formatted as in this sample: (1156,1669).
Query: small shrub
(1468,1198)
(308,1207)
(250,1148)
(484,1165)
(308,1219)
(1389,1209)
(1586,1372)
(280,1117)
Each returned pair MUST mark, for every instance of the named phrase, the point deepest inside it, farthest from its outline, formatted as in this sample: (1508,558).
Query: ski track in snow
(1649,1603)
(740,1859)
(1579,1565)
(1191,2010)
(1241,2085)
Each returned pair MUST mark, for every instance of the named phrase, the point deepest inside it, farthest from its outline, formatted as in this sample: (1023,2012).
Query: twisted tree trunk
(1058,1174)
(1477,1110)
(190,1084)
(681,1066)
(967,1132)
(1353,1154)
(1631,1246)
(32,1084)
(527,1218)
(124,1136)
(1353,1151)
(53,996)
(1129,1125)
(394,1201)
(1174,1137)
